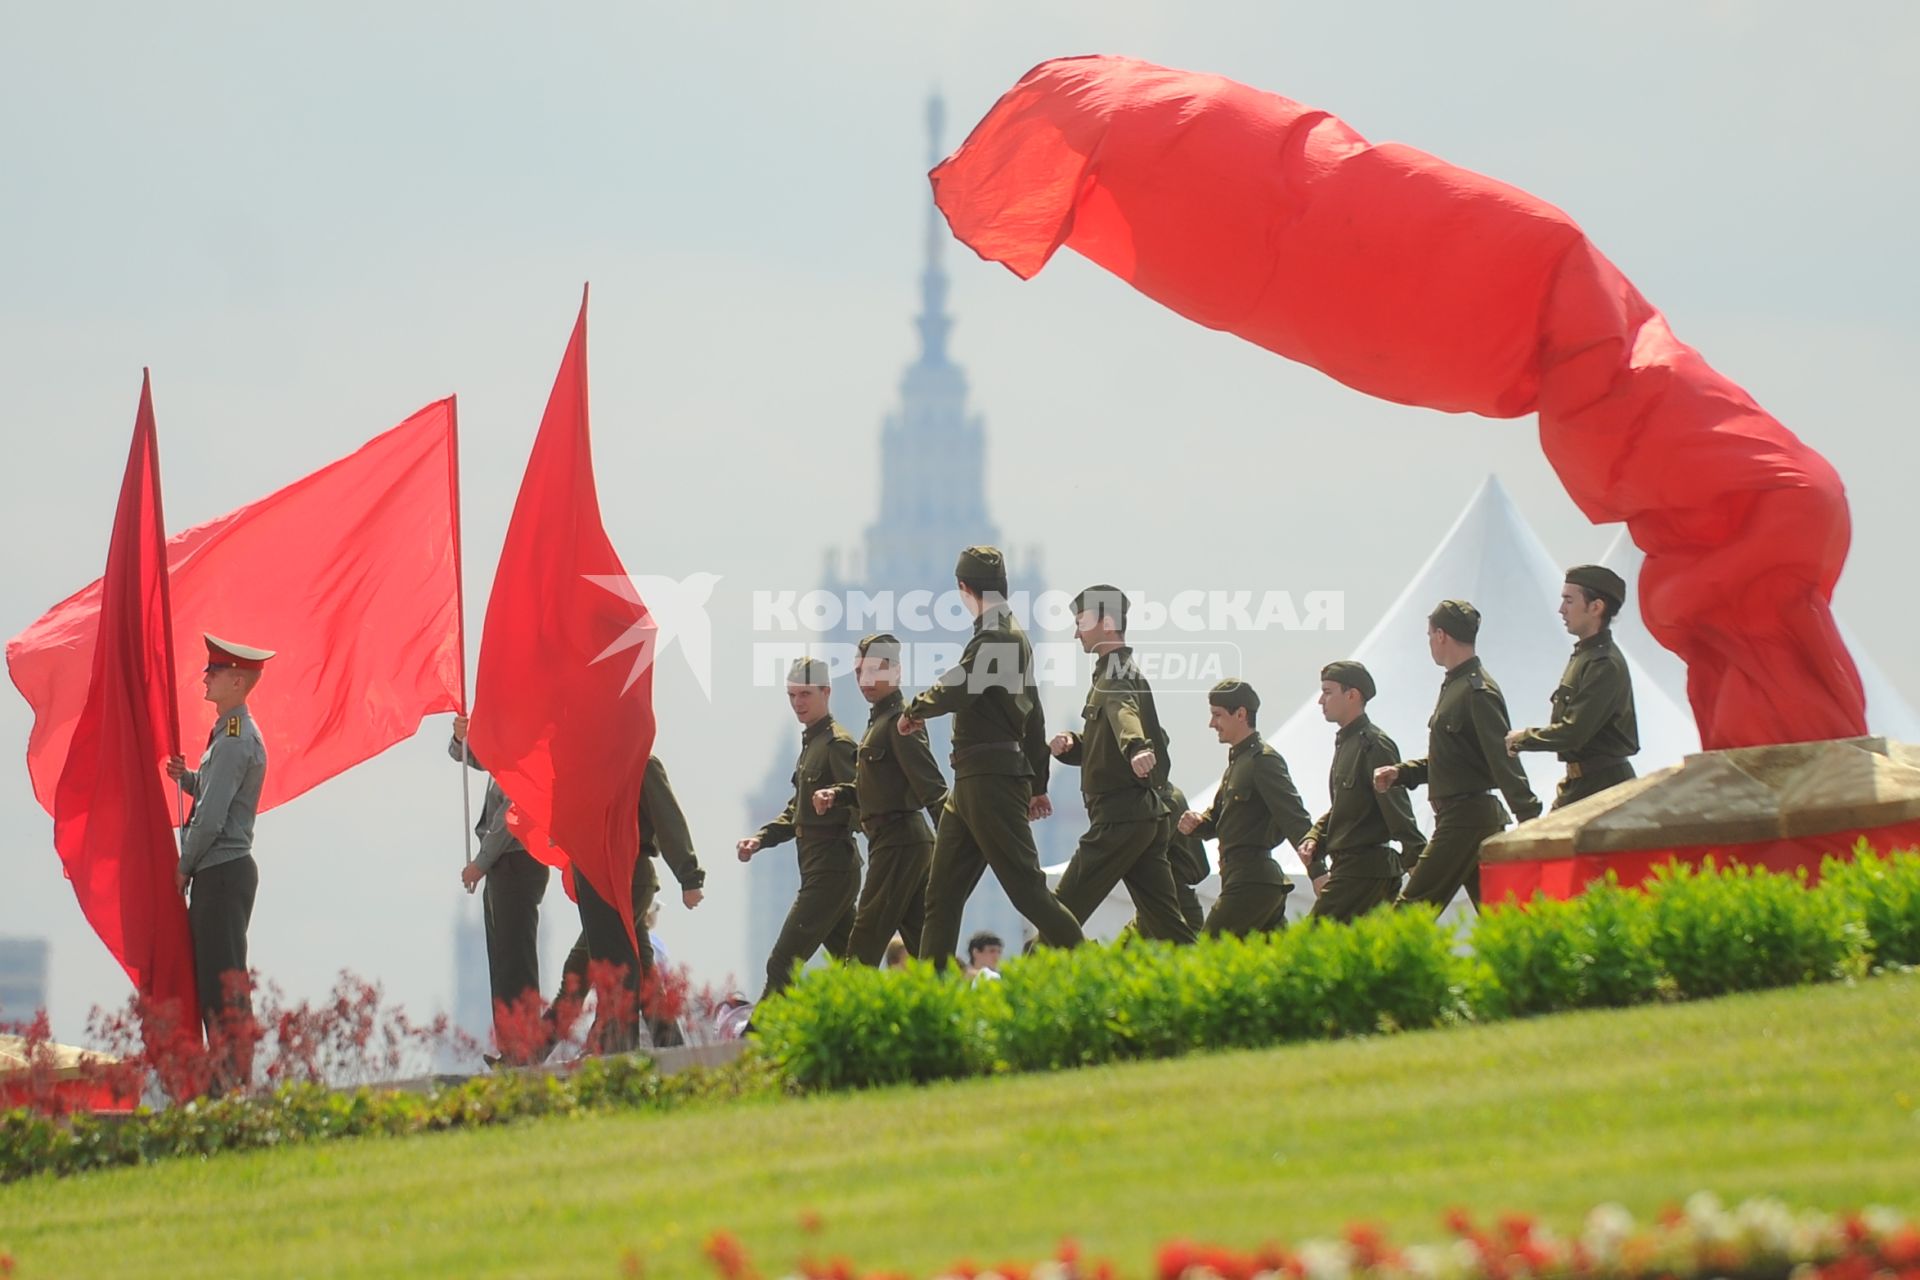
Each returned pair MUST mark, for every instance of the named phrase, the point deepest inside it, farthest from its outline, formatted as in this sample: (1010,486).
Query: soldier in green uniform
(664,835)
(1000,765)
(1466,759)
(1121,755)
(895,782)
(1255,808)
(216,854)
(822,912)
(1354,868)
(1187,855)
(1593,727)
(515,883)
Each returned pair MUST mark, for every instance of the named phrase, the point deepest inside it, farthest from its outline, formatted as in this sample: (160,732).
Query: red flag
(351,574)
(562,714)
(1415,280)
(110,820)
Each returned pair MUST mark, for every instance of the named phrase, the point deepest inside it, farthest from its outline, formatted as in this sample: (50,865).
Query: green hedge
(1689,934)
(33,1143)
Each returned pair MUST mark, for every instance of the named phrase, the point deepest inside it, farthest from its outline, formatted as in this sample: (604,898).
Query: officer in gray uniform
(516,882)
(216,853)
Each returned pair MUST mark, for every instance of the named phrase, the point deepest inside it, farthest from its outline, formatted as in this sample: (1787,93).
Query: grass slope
(1810,1094)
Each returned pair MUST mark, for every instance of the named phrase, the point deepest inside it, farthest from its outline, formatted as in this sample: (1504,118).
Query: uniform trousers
(985,825)
(1247,905)
(515,885)
(893,897)
(1451,861)
(1134,854)
(1348,897)
(217,917)
(822,911)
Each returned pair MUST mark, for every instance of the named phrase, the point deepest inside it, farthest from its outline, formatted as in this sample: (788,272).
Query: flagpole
(166,618)
(460,617)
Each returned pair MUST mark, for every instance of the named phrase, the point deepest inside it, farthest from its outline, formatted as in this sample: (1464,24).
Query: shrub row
(1689,934)
(34,1143)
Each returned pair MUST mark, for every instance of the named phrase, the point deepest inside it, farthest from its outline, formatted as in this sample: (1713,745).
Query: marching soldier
(1000,764)
(1466,759)
(822,912)
(1255,808)
(216,855)
(895,782)
(1349,845)
(516,882)
(1122,759)
(664,835)
(1593,727)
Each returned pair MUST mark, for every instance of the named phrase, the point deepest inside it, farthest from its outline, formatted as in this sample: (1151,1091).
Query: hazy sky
(311,223)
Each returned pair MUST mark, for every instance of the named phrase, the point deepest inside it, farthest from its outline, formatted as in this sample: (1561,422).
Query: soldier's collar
(1357,725)
(990,615)
(1466,668)
(887,706)
(1601,637)
(1249,743)
(1115,663)
(823,725)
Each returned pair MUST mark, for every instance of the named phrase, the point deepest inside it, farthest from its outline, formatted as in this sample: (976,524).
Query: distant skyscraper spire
(933,319)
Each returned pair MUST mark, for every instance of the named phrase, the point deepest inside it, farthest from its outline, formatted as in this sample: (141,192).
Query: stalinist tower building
(932,502)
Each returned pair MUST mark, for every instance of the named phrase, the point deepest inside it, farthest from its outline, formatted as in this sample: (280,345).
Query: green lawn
(1810,1094)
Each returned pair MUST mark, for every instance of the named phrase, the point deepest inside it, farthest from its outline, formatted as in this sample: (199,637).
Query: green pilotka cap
(981,562)
(1457,618)
(881,645)
(1104,599)
(1351,674)
(1600,580)
(1234,695)
(812,671)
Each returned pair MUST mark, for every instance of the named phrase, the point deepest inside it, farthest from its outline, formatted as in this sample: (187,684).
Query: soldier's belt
(1354,850)
(960,754)
(1581,768)
(868,821)
(1443,803)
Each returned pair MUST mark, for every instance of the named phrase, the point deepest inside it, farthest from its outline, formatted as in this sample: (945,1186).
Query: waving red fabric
(111,824)
(563,702)
(348,573)
(1416,281)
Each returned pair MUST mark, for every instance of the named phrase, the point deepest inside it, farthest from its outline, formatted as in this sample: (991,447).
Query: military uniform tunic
(822,911)
(1000,763)
(1256,807)
(1593,727)
(896,781)
(1126,841)
(1466,759)
(1352,837)
(217,858)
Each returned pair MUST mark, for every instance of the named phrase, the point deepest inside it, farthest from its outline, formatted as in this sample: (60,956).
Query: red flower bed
(1756,1240)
